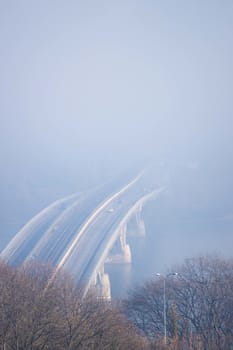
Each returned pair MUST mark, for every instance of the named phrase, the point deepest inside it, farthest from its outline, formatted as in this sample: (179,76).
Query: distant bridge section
(82,232)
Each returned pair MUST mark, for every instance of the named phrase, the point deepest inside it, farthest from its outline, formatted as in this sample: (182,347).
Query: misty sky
(88,87)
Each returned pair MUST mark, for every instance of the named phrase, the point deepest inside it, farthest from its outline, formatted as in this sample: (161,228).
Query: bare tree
(203,295)
(7,278)
(198,305)
(38,312)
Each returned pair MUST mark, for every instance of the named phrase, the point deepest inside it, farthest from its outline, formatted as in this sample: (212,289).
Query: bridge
(83,232)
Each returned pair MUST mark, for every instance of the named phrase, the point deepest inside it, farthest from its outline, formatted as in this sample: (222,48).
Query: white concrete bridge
(82,232)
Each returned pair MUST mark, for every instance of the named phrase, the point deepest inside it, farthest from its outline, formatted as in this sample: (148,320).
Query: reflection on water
(121,279)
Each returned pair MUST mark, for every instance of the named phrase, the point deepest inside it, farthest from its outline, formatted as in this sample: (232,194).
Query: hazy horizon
(90,90)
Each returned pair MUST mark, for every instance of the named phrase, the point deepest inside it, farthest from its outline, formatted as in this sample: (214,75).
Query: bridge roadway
(78,232)
(49,232)
(92,248)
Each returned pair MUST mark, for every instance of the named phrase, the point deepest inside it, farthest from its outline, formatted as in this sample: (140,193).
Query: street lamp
(164,301)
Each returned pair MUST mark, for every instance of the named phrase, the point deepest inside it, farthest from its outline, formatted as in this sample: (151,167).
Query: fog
(91,89)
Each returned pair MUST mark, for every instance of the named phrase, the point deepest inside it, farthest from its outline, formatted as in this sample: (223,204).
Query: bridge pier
(136,225)
(102,284)
(121,252)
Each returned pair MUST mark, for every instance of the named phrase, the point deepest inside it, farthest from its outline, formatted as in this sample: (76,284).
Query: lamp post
(164,302)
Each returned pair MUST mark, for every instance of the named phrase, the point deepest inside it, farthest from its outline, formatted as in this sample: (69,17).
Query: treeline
(198,305)
(37,312)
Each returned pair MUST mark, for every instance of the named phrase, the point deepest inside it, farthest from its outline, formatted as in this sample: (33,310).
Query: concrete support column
(102,284)
(121,252)
(136,226)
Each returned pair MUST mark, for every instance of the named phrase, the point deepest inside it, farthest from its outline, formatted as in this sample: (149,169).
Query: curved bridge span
(82,232)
